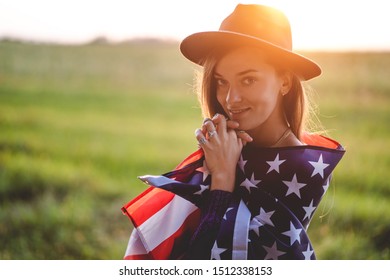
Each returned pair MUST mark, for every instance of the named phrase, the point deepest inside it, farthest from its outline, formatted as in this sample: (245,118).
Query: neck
(274,132)
(269,136)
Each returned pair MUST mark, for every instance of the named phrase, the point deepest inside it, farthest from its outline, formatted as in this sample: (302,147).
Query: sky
(316,25)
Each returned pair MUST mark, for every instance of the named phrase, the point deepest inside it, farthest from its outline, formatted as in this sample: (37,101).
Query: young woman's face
(249,89)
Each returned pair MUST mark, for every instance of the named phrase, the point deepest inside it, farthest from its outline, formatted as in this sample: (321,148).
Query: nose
(233,96)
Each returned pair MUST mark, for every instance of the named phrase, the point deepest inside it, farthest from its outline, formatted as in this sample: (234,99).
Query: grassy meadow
(78,124)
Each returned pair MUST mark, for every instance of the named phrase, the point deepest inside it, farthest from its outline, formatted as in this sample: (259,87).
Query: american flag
(277,192)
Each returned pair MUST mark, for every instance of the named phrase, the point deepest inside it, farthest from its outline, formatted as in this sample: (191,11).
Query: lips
(238,111)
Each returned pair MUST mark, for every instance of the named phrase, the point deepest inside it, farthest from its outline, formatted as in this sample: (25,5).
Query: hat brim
(198,46)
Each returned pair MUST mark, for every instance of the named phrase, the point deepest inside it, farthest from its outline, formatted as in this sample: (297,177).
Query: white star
(265,217)
(326,186)
(272,252)
(308,253)
(309,210)
(293,233)
(253,181)
(294,186)
(248,185)
(204,170)
(319,167)
(216,252)
(242,163)
(202,189)
(255,225)
(227,211)
(274,164)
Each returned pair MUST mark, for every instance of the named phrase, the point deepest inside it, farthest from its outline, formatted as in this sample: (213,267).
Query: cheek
(269,101)
(269,93)
(265,101)
(221,98)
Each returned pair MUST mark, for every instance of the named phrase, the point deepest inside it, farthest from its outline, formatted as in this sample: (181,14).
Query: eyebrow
(239,73)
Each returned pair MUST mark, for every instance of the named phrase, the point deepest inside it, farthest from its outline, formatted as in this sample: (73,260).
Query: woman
(251,189)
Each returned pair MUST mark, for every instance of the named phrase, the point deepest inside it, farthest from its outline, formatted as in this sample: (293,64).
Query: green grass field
(78,124)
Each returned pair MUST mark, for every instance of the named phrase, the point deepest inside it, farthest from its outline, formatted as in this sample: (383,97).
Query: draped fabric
(277,191)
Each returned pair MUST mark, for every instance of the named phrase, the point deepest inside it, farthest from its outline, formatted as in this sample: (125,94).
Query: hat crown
(253,25)
(262,22)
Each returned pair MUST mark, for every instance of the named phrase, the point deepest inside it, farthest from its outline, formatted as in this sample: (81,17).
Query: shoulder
(301,159)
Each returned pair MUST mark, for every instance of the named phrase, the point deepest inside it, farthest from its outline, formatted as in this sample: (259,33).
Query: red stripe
(138,257)
(319,140)
(191,158)
(147,204)
(174,246)
(127,205)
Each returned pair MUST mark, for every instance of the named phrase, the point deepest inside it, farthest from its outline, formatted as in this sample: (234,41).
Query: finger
(220,122)
(207,120)
(232,124)
(200,137)
(244,136)
(204,127)
(241,143)
(210,128)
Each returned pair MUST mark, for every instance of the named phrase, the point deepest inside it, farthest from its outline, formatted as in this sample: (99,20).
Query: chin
(248,126)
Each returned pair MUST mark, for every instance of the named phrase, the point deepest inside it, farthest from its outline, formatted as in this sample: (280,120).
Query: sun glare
(331,24)
(307,30)
(335,24)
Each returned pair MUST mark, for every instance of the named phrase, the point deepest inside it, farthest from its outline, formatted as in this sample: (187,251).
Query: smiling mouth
(238,111)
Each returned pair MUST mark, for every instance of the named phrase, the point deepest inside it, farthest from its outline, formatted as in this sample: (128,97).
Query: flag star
(204,170)
(274,164)
(255,225)
(272,252)
(248,185)
(308,253)
(293,234)
(202,189)
(309,210)
(265,217)
(216,252)
(294,186)
(319,167)
(326,186)
(227,211)
(253,181)
(242,163)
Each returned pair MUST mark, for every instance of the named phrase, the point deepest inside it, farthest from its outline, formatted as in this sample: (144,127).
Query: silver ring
(240,131)
(212,133)
(202,141)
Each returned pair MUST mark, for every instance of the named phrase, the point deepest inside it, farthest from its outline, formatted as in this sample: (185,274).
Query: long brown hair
(295,103)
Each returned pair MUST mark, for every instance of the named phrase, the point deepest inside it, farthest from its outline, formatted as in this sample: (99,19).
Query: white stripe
(165,222)
(240,235)
(157,181)
(135,246)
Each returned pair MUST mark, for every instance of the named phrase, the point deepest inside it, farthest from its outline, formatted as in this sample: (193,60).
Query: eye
(220,82)
(248,81)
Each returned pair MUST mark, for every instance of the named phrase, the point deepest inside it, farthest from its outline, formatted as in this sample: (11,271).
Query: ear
(286,82)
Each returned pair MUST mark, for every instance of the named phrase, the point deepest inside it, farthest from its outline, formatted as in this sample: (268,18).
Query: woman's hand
(222,148)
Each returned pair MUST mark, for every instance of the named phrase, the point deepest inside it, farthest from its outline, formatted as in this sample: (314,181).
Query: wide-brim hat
(252,25)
